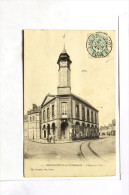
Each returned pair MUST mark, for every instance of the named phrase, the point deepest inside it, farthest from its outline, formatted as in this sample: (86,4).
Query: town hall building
(64,115)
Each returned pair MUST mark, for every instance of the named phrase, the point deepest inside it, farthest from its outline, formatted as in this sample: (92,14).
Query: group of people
(51,138)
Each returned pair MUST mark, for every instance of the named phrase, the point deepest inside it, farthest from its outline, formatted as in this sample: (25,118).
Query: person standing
(50,138)
(54,139)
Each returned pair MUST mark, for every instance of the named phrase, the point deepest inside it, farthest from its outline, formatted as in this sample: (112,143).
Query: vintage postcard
(70,103)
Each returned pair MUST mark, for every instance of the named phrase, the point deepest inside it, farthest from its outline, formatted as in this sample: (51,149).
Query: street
(98,150)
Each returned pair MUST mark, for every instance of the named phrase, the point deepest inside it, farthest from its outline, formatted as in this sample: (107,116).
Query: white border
(18,15)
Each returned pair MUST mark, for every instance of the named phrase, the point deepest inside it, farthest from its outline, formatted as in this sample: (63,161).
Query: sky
(93,79)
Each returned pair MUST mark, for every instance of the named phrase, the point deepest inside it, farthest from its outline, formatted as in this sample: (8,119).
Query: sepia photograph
(64,76)
(69,103)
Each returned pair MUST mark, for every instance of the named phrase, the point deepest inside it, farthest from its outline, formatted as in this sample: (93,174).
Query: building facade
(34,122)
(64,115)
(26,127)
(68,117)
(109,129)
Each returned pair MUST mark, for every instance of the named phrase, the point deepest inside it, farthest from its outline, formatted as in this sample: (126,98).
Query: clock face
(63,63)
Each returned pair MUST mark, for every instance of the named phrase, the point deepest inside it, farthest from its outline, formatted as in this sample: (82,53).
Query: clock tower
(64,73)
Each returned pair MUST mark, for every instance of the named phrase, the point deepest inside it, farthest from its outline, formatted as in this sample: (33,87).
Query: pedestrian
(54,139)
(50,138)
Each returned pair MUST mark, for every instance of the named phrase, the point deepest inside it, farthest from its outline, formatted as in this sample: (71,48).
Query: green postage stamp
(99,45)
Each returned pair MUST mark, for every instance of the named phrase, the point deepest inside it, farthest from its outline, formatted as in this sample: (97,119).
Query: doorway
(53,127)
(64,126)
(48,129)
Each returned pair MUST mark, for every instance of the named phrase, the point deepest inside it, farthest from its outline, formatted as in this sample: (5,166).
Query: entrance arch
(64,126)
(83,130)
(92,131)
(88,131)
(53,128)
(48,129)
(77,129)
(44,129)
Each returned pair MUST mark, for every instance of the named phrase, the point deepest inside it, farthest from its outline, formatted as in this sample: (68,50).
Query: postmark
(99,45)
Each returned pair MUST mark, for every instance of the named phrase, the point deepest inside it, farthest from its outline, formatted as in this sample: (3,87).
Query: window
(83,112)
(64,108)
(47,112)
(44,114)
(88,116)
(53,110)
(95,118)
(77,110)
(92,116)
(33,118)
(30,118)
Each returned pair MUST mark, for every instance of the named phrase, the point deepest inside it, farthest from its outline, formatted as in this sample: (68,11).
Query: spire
(64,50)
(64,56)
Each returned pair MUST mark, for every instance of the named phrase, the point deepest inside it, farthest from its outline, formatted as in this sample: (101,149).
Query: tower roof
(64,50)
(64,56)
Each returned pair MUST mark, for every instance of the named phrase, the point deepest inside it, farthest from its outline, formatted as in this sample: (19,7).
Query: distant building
(26,127)
(64,115)
(113,130)
(34,122)
(108,130)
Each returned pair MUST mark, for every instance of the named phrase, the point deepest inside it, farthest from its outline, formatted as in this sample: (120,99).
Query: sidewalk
(44,141)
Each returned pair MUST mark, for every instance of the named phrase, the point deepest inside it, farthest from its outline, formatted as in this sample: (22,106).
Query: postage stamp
(99,45)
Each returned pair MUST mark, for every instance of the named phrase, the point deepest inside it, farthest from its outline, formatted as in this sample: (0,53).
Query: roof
(35,110)
(64,57)
(49,97)
(64,50)
(85,101)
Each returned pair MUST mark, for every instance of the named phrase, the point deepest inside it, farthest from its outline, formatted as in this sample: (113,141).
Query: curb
(57,142)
